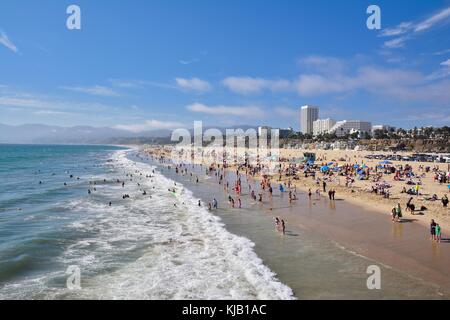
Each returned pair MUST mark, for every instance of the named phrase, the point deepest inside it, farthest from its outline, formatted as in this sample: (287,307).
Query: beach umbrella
(385,162)
(325,168)
(356,166)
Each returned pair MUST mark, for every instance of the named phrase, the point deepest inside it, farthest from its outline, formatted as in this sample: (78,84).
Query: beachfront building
(344,127)
(261,128)
(322,126)
(284,133)
(382,127)
(308,114)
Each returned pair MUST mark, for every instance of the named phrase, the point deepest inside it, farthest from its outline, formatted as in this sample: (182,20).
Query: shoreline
(359,230)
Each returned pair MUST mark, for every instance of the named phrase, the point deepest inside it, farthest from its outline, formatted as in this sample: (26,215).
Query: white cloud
(441,52)
(408,29)
(187,62)
(95,90)
(443,72)
(316,84)
(51,112)
(440,16)
(398,30)
(28,101)
(395,43)
(446,63)
(194,84)
(244,111)
(150,125)
(4,40)
(22,102)
(393,83)
(126,83)
(323,64)
(249,85)
(287,112)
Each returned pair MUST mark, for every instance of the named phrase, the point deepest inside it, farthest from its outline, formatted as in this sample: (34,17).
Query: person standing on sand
(394,214)
(399,212)
(324,185)
(433,229)
(438,232)
(309,193)
(283,227)
(444,201)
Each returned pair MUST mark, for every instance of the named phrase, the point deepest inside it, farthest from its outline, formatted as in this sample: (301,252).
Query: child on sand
(433,229)
(399,212)
(438,232)
(394,214)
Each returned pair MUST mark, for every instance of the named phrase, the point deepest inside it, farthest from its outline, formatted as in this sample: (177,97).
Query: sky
(141,65)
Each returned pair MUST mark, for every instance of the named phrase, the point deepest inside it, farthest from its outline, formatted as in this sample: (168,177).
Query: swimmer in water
(277,224)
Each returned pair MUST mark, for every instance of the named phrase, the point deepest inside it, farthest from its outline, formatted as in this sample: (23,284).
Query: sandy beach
(359,193)
(357,222)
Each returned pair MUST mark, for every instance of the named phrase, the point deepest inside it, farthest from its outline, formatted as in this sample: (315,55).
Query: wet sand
(329,244)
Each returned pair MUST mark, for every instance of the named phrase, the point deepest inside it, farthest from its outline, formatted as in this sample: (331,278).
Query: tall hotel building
(308,114)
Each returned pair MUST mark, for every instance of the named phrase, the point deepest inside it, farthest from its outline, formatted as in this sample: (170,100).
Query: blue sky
(139,65)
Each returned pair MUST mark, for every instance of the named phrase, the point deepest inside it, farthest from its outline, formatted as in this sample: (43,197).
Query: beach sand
(329,244)
(359,195)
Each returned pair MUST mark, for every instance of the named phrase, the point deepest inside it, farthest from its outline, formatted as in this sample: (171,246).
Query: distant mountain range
(39,133)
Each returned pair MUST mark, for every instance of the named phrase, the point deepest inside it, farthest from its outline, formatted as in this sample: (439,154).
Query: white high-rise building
(308,114)
(322,126)
(341,128)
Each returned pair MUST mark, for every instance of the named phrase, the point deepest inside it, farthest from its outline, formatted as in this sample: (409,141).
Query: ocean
(60,241)
(157,245)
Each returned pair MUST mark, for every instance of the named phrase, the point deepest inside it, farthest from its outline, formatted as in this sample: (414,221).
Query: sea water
(158,245)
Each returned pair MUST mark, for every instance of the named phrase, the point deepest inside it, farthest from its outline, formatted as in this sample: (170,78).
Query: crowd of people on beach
(323,174)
